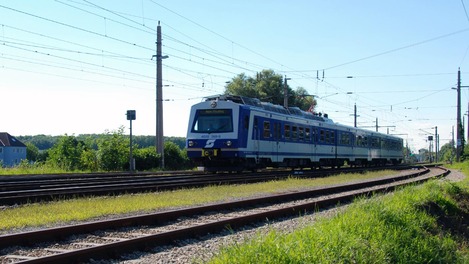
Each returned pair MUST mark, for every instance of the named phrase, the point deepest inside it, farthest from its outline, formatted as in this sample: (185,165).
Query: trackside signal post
(131,115)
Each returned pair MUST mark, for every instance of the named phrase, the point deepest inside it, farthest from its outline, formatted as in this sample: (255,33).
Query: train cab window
(294,133)
(213,121)
(301,133)
(266,133)
(287,132)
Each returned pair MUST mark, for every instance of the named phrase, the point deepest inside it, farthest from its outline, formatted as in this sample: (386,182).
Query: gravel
(201,250)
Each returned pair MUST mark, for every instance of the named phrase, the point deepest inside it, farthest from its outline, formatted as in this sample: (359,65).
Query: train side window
(332,139)
(322,136)
(308,134)
(301,133)
(344,139)
(287,132)
(358,142)
(266,132)
(294,135)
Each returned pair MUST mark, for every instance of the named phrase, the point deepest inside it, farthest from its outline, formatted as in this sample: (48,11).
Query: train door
(256,137)
(333,141)
(311,135)
(276,135)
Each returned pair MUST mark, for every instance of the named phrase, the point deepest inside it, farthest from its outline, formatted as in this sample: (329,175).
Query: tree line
(109,151)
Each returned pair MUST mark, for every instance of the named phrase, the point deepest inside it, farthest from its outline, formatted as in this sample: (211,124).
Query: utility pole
(458,119)
(377,125)
(159,96)
(285,92)
(436,144)
(355,115)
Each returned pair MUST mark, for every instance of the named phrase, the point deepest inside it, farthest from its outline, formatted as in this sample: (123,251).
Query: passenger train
(235,133)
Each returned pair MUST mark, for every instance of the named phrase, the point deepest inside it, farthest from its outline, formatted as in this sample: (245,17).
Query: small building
(12,151)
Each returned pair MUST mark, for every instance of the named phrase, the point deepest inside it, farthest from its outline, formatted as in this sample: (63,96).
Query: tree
(113,150)
(32,152)
(269,87)
(146,158)
(465,153)
(66,153)
(174,157)
(447,152)
(89,160)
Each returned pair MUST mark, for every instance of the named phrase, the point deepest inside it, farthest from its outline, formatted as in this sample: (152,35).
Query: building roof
(7,140)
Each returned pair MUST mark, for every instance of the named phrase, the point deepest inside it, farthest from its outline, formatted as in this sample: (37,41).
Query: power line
(465,11)
(75,27)
(217,34)
(390,51)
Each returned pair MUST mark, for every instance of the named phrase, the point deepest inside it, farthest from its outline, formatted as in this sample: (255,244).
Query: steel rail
(167,237)
(18,192)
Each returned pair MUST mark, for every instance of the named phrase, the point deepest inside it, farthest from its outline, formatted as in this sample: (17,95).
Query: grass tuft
(418,224)
(46,214)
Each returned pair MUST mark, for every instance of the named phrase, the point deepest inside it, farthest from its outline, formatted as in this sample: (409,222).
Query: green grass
(417,224)
(37,168)
(45,214)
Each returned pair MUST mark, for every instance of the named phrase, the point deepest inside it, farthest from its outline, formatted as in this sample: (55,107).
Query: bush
(146,158)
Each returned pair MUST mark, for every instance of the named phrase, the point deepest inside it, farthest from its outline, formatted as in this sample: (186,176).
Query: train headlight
(191,143)
(228,143)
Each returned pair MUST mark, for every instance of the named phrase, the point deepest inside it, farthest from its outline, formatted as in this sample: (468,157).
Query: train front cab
(216,132)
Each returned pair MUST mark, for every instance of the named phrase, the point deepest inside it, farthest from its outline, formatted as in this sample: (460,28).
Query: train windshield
(213,121)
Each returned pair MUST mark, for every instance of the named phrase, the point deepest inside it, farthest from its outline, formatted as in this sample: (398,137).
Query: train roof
(296,111)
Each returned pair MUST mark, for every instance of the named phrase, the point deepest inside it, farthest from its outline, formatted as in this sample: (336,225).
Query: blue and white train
(235,133)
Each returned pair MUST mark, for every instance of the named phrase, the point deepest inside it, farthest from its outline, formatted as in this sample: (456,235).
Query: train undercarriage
(253,164)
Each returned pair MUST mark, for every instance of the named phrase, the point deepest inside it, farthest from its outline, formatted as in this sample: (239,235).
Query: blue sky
(76,67)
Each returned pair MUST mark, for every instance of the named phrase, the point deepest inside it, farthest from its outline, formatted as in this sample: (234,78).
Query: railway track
(111,238)
(35,188)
